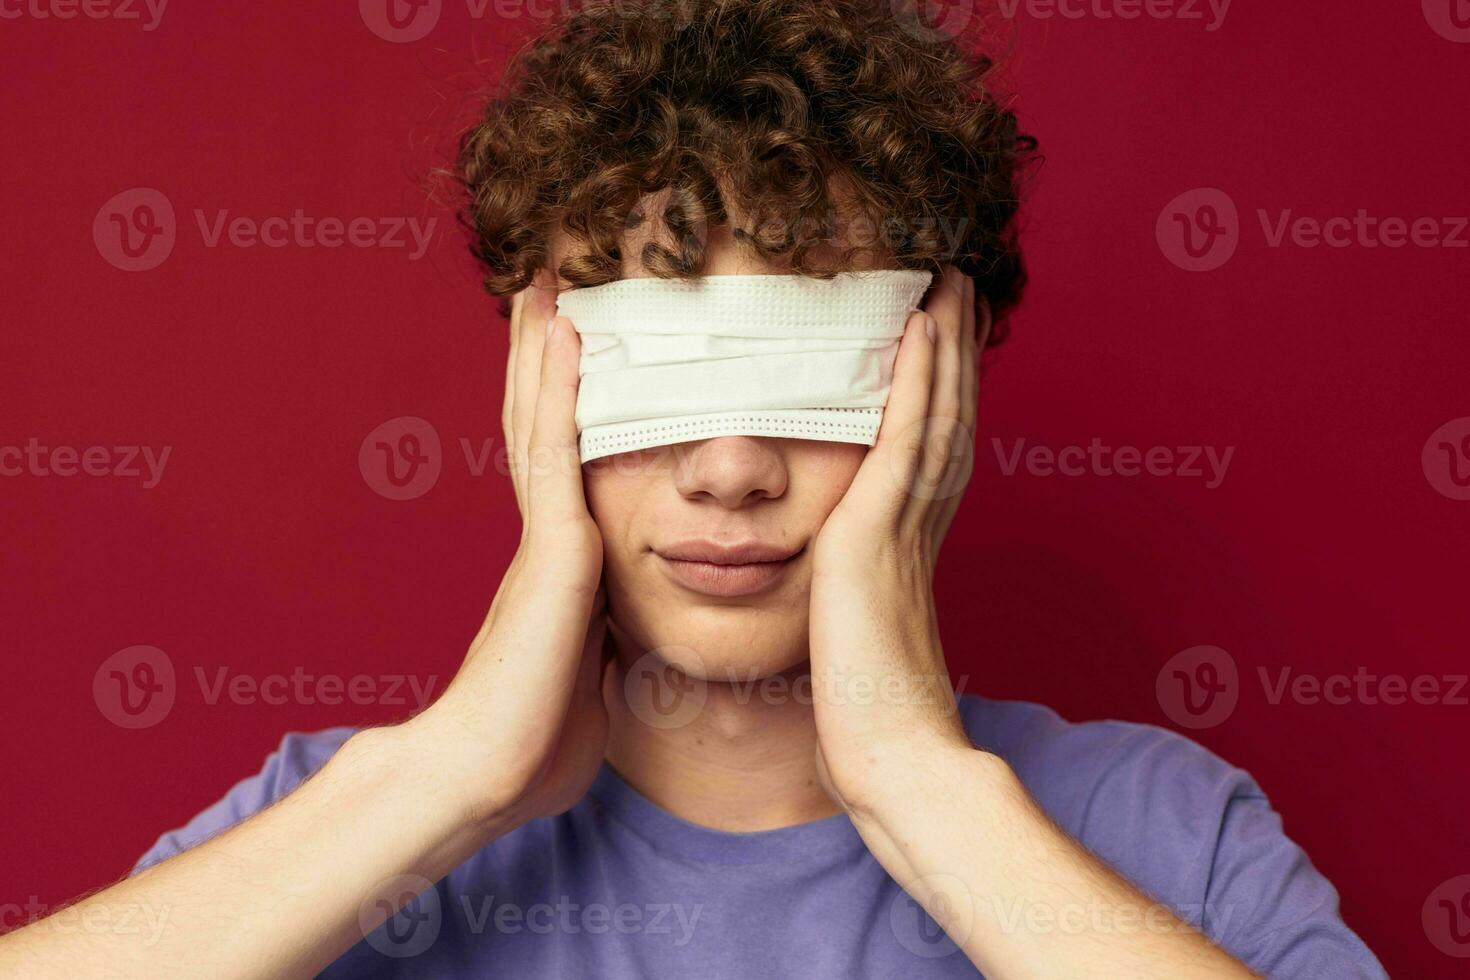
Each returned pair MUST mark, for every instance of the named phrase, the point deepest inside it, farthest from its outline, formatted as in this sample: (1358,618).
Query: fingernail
(550,327)
(930,326)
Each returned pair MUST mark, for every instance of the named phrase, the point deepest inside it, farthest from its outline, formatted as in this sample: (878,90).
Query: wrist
(906,781)
(434,760)
(927,812)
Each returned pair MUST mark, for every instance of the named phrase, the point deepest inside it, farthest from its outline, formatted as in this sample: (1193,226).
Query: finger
(594,659)
(884,479)
(516,305)
(554,484)
(970,344)
(540,306)
(507,427)
(969,355)
(986,322)
(942,418)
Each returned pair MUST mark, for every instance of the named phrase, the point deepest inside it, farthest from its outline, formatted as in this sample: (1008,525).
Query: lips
(727,570)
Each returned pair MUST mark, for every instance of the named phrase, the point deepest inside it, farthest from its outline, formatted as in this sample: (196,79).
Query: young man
(612,786)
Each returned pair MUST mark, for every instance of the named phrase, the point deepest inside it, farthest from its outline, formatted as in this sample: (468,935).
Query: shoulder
(1149,801)
(1185,826)
(1066,763)
(298,756)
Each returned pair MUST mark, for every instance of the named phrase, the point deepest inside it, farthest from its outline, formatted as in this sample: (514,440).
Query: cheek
(828,469)
(618,489)
(608,501)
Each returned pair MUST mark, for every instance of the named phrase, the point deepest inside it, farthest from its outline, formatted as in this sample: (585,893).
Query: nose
(733,471)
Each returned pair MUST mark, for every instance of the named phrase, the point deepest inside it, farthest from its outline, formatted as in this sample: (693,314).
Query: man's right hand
(519,733)
(523,725)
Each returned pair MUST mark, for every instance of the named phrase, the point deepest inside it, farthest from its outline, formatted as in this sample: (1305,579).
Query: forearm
(1015,892)
(279,894)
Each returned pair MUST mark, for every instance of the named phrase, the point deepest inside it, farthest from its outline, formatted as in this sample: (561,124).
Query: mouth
(727,571)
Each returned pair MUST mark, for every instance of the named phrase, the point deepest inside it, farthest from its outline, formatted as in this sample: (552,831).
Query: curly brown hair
(751,114)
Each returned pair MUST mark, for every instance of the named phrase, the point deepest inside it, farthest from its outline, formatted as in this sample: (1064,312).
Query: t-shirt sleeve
(299,755)
(1271,908)
(1199,835)
(1187,828)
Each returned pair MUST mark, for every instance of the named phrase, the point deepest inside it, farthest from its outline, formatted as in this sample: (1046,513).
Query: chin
(718,644)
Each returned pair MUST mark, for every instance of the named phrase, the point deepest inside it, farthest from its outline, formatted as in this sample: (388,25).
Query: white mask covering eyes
(667,361)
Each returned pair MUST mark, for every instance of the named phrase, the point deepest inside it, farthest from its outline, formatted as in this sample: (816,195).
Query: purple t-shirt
(619,888)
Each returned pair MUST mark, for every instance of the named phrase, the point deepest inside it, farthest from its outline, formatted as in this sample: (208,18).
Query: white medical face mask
(667,361)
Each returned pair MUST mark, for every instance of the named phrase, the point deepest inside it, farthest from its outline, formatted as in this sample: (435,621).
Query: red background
(264,549)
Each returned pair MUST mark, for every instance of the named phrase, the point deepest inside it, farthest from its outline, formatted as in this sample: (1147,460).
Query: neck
(742,763)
